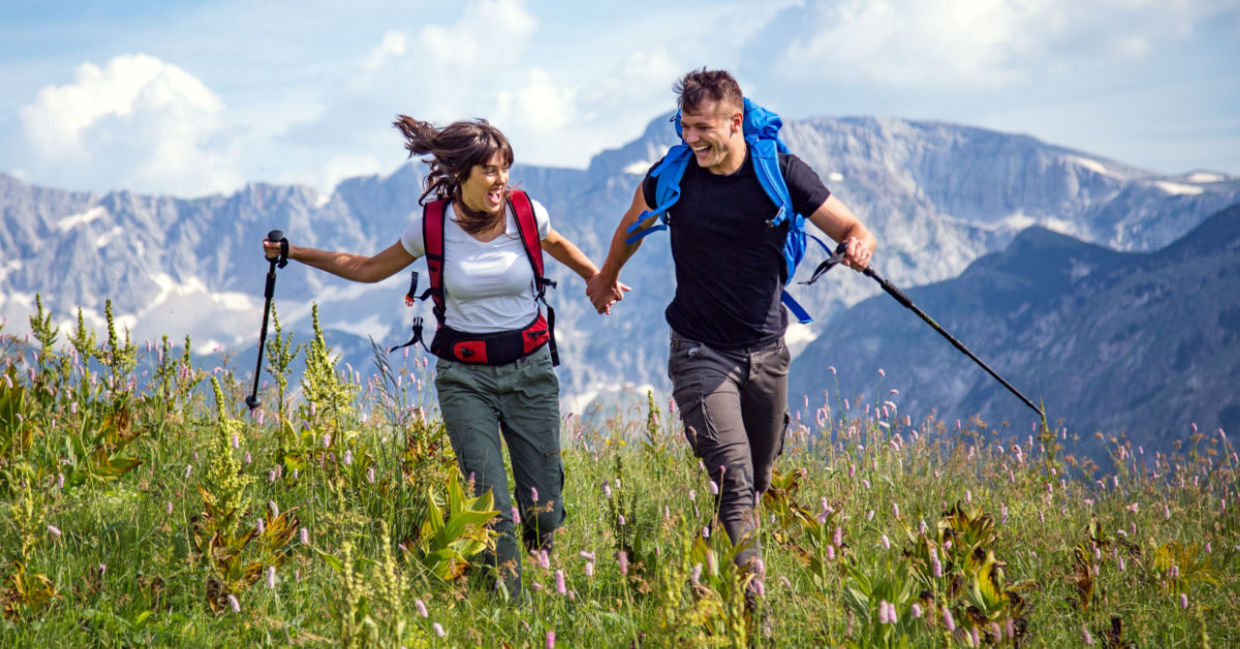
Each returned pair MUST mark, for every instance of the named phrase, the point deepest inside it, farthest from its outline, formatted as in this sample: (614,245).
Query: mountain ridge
(174,265)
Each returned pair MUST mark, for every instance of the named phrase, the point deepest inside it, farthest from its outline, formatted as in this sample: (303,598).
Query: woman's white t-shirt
(488,286)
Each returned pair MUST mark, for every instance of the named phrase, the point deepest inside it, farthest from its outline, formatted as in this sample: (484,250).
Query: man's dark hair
(703,85)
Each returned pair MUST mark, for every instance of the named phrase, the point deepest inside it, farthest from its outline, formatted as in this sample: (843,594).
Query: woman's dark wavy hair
(454,150)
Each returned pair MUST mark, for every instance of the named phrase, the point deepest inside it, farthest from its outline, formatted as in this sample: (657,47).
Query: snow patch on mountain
(81,218)
(1093,165)
(1177,188)
(638,168)
(107,237)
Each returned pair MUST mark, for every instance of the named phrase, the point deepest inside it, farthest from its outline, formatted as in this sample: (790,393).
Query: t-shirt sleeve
(412,237)
(804,186)
(542,219)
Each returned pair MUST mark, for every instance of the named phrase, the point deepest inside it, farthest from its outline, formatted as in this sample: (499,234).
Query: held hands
(604,293)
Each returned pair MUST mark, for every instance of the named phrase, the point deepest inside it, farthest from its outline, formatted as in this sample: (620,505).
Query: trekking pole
(281,261)
(904,299)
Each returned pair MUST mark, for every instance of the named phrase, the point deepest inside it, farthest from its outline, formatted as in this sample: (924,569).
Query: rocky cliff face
(938,196)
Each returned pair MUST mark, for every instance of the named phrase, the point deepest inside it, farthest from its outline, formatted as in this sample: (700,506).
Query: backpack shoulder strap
(527,226)
(432,240)
(667,175)
(432,243)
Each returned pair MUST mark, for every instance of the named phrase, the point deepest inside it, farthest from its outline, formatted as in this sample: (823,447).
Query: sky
(195,98)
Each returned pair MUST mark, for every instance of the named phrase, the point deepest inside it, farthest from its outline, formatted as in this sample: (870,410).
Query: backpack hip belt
(497,348)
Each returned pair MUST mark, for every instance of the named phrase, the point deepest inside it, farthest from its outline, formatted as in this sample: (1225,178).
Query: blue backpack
(761,130)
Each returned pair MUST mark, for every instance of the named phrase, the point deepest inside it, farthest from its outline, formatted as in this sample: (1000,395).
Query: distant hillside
(1147,343)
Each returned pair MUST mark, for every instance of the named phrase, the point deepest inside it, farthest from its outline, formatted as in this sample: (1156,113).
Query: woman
(488,291)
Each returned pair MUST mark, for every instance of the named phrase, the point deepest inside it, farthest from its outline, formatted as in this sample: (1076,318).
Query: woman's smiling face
(483,190)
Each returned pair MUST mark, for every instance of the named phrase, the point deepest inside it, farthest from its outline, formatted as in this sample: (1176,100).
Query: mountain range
(1140,343)
(938,196)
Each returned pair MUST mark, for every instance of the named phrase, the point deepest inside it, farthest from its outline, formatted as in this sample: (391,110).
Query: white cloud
(488,31)
(565,122)
(137,123)
(968,43)
(394,44)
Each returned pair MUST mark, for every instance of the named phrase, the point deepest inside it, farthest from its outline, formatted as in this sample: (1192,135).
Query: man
(728,362)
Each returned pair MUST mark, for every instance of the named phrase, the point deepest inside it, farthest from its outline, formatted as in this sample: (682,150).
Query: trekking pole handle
(277,236)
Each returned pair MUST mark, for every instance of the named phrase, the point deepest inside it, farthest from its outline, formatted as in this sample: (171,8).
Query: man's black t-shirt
(729,261)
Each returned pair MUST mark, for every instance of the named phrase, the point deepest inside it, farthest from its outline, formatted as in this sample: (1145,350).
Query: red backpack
(498,348)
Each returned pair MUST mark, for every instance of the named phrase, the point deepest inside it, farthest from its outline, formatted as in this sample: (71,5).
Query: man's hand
(856,254)
(604,292)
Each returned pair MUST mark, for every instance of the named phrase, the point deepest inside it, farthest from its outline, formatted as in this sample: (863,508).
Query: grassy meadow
(144,505)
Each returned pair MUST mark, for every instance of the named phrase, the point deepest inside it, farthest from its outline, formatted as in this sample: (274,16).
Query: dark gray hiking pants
(521,401)
(734,404)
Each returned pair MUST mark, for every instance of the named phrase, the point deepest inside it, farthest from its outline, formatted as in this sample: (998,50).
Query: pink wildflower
(53,530)
(551,640)
(232,601)
(439,629)
(623,559)
(559,582)
(948,622)
(421,606)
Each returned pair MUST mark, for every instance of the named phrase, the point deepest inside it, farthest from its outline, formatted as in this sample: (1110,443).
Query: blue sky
(195,98)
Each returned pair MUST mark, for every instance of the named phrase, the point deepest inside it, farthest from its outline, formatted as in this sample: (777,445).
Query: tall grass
(144,506)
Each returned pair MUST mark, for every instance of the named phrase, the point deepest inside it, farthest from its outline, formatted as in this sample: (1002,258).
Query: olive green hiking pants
(519,401)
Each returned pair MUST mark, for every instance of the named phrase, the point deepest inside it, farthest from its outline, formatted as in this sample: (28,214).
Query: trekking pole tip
(252,401)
